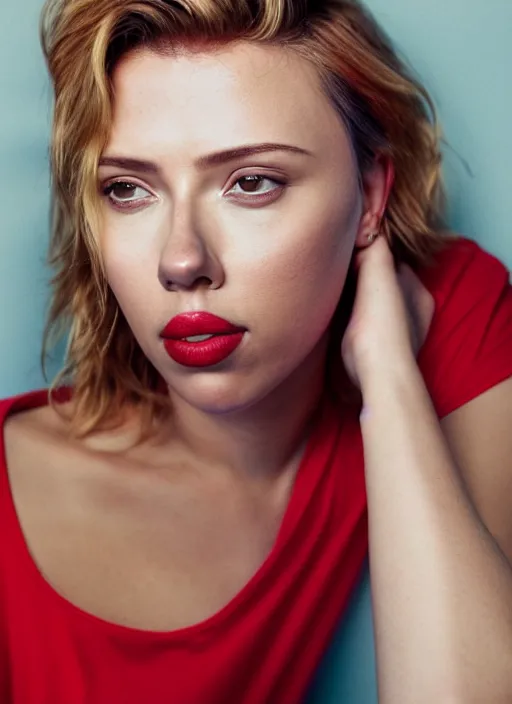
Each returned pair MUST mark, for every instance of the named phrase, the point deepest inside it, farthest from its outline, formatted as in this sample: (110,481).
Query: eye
(125,194)
(257,185)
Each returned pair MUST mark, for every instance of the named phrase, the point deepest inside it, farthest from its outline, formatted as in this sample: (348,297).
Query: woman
(187,511)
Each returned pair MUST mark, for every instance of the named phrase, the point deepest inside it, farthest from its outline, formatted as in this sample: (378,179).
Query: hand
(391,316)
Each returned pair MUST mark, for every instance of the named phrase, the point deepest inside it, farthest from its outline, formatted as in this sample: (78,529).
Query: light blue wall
(462,49)
(24,124)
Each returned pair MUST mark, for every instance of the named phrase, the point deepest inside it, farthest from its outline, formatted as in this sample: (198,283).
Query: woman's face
(261,236)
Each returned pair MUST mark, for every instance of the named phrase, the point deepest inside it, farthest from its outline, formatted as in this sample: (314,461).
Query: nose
(188,259)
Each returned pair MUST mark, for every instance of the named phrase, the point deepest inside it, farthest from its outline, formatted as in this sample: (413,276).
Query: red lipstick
(216,339)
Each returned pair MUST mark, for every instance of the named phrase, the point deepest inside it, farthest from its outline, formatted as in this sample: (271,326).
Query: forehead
(220,98)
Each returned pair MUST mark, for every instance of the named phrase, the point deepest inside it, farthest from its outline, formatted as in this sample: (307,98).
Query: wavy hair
(384,108)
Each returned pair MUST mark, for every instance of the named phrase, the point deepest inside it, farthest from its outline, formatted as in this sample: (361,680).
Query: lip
(205,353)
(198,323)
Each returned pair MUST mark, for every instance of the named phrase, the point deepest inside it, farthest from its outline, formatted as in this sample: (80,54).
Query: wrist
(386,382)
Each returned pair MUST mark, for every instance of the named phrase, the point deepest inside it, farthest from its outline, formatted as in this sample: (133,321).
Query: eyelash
(260,199)
(126,205)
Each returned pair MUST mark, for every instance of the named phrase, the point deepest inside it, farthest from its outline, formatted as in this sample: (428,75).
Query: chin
(212,393)
(223,394)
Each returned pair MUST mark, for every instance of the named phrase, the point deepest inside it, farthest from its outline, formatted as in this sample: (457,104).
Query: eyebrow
(203,162)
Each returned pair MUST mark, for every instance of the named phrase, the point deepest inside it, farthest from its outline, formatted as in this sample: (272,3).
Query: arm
(442,586)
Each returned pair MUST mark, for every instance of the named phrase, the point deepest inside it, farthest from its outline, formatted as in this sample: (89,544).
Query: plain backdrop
(461,49)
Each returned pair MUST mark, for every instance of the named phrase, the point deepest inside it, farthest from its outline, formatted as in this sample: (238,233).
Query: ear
(376,183)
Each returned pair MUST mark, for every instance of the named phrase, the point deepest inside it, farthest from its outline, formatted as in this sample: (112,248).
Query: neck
(259,442)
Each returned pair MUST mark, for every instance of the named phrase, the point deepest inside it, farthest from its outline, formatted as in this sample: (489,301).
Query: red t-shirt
(264,646)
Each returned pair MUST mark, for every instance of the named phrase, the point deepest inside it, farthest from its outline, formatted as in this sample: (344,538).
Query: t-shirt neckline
(321,426)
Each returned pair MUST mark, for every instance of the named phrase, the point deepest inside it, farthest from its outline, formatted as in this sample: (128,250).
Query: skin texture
(197,241)
(391,316)
(179,524)
(443,632)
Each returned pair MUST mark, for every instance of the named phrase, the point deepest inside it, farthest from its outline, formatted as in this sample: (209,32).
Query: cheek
(127,274)
(301,279)
(311,281)
(314,247)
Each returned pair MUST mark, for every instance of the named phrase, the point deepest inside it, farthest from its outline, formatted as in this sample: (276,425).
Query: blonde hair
(386,111)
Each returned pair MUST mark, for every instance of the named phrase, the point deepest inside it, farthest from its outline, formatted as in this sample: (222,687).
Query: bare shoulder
(35,427)
(43,421)
(36,437)
(47,429)
(36,445)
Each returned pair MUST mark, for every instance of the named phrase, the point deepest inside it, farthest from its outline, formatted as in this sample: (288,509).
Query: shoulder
(464,265)
(29,421)
(469,345)
(30,413)
(31,430)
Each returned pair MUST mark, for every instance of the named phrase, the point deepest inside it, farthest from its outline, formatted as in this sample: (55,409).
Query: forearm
(442,589)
